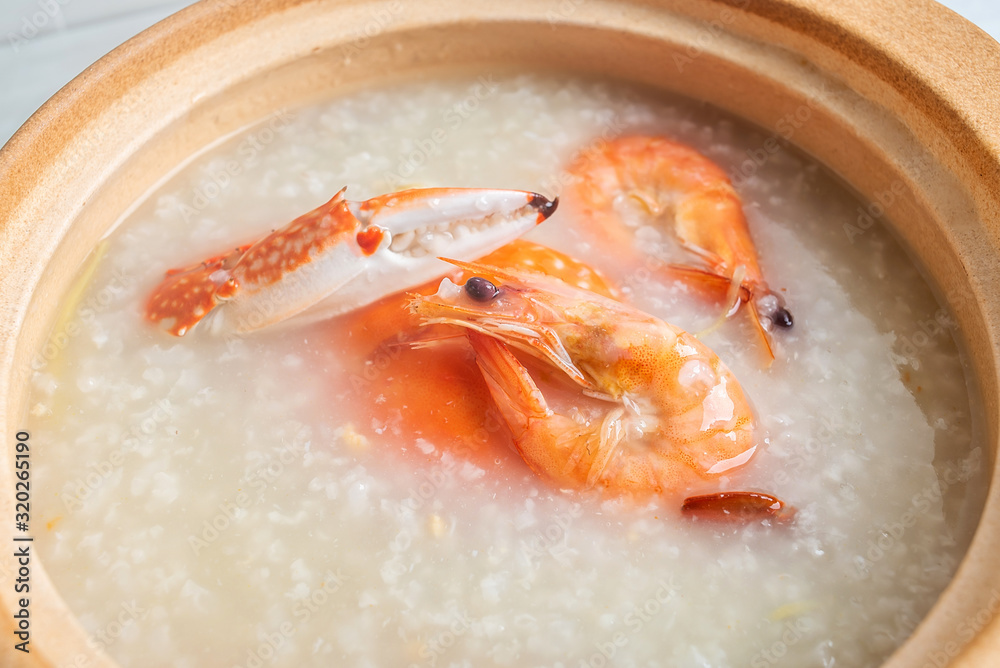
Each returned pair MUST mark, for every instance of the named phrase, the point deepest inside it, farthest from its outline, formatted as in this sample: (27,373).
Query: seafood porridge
(461,474)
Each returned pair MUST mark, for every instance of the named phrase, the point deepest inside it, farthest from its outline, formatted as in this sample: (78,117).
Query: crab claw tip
(543,206)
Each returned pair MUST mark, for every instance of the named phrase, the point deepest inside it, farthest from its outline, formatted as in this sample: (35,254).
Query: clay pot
(891,100)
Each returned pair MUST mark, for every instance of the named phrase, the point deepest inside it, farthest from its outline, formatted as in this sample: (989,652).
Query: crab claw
(343,255)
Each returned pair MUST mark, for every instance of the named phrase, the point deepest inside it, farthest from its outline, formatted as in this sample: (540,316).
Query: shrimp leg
(552,445)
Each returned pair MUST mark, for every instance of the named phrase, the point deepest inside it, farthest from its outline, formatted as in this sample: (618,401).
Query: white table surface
(45,43)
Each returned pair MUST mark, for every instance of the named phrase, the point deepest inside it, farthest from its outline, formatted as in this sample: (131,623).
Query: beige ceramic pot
(892,101)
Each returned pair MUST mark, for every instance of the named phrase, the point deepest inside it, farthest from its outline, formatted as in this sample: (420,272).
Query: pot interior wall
(858,139)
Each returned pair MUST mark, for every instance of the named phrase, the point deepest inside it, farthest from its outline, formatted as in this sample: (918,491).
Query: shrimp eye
(782,318)
(481,290)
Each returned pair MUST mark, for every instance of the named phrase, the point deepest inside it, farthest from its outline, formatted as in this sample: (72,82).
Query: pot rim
(907,63)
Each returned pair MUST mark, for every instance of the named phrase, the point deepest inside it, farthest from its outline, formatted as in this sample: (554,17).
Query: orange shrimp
(674,186)
(659,411)
(436,392)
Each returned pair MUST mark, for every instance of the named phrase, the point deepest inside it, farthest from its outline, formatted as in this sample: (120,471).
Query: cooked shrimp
(435,392)
(658,411)
(691,197)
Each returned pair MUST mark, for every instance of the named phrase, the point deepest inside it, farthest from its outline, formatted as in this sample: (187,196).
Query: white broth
(228,502)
